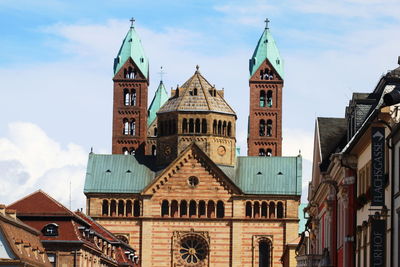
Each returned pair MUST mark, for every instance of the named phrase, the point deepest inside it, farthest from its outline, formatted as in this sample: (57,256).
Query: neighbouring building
(19,243)
(174,187)
(350,195)
(72,238)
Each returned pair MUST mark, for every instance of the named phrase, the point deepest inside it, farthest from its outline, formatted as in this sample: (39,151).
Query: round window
(193,250)
(193,181)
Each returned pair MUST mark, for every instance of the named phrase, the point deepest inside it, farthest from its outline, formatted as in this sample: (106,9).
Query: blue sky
(57,57)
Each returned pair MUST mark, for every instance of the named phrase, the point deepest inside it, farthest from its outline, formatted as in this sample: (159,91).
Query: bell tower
(266,82)
(131,81)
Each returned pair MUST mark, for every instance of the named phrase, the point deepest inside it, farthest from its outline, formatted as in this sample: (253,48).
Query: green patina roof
(266,49)
(303,220)
(160,97)
(116,174)
(253,175)
(132,48)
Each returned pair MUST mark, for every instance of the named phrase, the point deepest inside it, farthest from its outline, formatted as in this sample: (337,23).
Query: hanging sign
(378,166)
(378,243)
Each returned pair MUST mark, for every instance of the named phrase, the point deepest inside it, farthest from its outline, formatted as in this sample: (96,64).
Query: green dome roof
(266,49)
(132,48)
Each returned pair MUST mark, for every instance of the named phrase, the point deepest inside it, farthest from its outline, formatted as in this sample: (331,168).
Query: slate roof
(204,101)
(330,131)
(132,48)
(266,49)
(253,175)
(160,97)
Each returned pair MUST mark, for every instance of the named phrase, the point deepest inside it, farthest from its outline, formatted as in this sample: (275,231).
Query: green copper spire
(132,48)
(160,97)
(266,49)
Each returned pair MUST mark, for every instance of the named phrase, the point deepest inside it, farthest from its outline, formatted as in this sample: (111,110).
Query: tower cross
(132,20)
(161,73)
(266,23)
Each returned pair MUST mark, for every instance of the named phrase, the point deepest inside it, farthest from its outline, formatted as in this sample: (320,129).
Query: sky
(56,60)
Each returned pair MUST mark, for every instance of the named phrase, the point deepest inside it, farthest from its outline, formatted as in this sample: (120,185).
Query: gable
(129,63)
(266,72)
(174,180)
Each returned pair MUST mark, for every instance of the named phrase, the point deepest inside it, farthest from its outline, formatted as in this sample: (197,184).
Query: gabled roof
(116,174)
(132,48)
(331,131)
(159,99)
(204,101)
(266,49)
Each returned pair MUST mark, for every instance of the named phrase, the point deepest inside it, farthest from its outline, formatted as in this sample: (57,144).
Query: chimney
(12,213)
(2,209)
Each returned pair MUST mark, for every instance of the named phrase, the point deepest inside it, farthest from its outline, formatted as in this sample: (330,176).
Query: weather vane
(266,23)
(132,20)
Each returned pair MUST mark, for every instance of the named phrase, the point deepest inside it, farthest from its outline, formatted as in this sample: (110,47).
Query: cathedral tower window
(183,208)
(269,128)
(126,97)
(279,210)
(130,73)
(191,125)
(264,209)
(256,210)
(133,127)
(121,208)
(269,152)
(269,98)
(202,209)
(272,210)
(219,127)
(192,208)
(248,209)
(133,98)
(174,208)
(262,128)
(204,126)
(220,209)
(129,208)
(262,98)
(229,129)
(155,131)
(264,253)
(197,126)
(113,208)
(105,208)
(132,151)
(215,127)
(261,152)
(126,127)
(164,208)
(224,128)
(136,208)
(184,126)
(153,150)
(125,151)
(211,209)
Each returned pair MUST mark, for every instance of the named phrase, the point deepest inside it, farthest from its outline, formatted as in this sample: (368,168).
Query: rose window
(193,250)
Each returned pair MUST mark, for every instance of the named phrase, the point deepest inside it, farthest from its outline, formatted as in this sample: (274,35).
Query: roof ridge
(203,89)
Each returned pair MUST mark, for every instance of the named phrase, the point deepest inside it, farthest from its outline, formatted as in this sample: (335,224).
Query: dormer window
(50,230)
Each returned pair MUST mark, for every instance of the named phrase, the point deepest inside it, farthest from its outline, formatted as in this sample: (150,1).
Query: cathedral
(175,188)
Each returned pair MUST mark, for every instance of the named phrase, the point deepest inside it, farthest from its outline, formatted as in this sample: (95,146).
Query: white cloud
(31,160)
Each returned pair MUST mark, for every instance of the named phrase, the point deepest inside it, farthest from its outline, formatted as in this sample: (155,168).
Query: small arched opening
(204,126)
(153,150)
(133,127)
(164,208)
(113,208)
(248,209)
(126,126)
(121,208)
(191,125)
(192,208)
(279,210)
(256,210)
(269,98)
(219,127)
(264,209)
(220,209)
(136,208)
(183,208)
(133,97)
(262,128)
(105,208)
(129,208)
(197,126)
(269,128)
(184,126)
(272,210)
(174,208)
(261,152)
(202,209)
(264,253)
(126,97)
(215,127)
(229,129)
(262,98)
(211,209)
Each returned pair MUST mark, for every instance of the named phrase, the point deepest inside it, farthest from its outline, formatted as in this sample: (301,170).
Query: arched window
(272,210)
(261,152)
(191,125)
(262,98)
(125,151)
(204,126)
(264,253)
(136,208)
(195,91)
(248,209)
(50,229)
(279,210)
(132,151)
(126,97)
(133,127)
(261,74)
(129,208)
(215,127)
(153,150)
(219,127)
(174,208)
(165,208)
(211,209)
(121,208)
(202,209)
(155,131)
(269,152)
(220,209)
(133,97)
(224,128)
(256,210)
(269,98)
(264,209)
(113,208)
(269,128)
(262,128)
(105,208)
(192,208)
(266,74)
(184,126)
(126,127)
(229,129)
(197,126)
(183,208)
